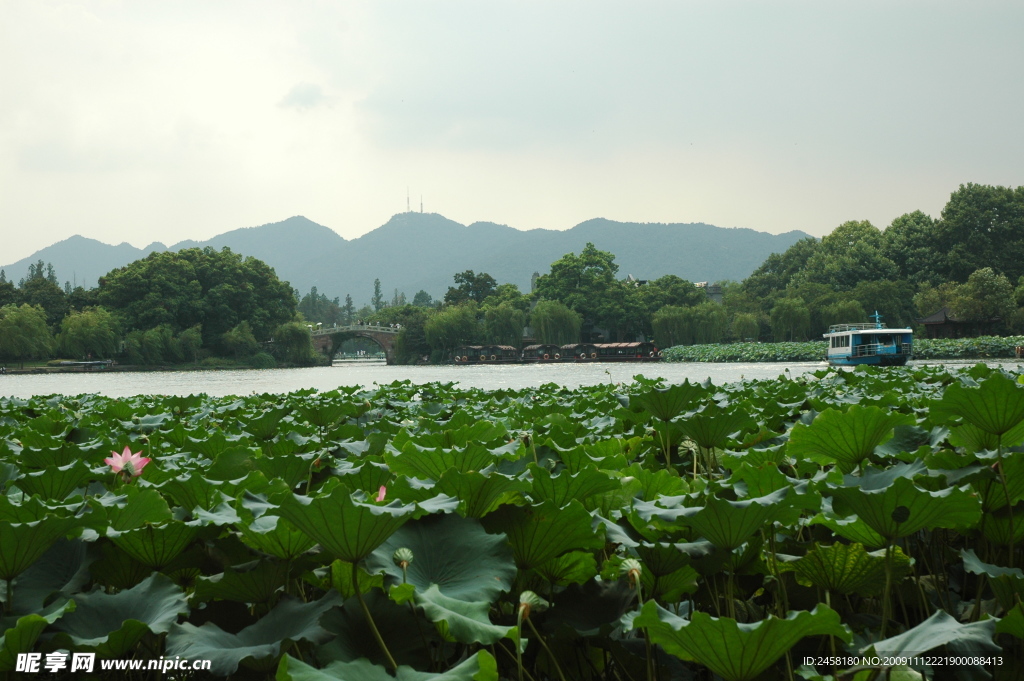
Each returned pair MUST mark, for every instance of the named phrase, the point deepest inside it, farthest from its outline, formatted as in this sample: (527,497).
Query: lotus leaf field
(821,527)
(982,347)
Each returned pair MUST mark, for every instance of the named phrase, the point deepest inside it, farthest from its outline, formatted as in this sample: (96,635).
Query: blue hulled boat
(868,343)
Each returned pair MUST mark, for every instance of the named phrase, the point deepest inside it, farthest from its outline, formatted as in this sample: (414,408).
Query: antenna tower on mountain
(421,203)
(407,209)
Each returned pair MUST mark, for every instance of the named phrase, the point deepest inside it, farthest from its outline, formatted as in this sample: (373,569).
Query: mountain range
(421,251)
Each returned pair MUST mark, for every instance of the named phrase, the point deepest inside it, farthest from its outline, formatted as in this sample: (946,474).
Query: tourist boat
(574,352)
(542,353)
(611,352)
(868,343)
(486,354)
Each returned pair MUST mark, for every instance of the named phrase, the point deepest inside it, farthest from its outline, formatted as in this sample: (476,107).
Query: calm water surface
(366,374)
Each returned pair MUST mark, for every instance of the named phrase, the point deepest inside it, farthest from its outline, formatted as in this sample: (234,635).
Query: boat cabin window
(840,341)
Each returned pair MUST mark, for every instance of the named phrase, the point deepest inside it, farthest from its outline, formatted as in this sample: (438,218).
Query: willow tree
(89,333)
(24,333)
(553,322)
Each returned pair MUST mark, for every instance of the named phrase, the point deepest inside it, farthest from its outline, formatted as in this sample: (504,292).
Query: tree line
(969,261)
(194,305)
(185,306)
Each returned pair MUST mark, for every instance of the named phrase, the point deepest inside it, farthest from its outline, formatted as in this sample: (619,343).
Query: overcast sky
(160,121)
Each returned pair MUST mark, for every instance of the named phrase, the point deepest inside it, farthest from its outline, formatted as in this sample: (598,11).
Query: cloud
(303,96)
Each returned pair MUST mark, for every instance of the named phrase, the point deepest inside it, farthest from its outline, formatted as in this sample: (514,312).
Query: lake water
(366,374)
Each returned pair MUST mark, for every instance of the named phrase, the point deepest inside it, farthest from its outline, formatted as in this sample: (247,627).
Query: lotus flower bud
(531,602)
(402,558)
(177,410)
(136,420)
(632,569)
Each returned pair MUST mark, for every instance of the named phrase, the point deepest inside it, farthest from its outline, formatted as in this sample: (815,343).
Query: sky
(152,121)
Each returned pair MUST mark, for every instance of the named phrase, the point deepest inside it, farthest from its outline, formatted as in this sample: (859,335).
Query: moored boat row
(573,352)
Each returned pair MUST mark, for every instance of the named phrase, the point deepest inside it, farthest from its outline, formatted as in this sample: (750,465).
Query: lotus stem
(886,609)
(1006,491)
(369,617)
(540,639)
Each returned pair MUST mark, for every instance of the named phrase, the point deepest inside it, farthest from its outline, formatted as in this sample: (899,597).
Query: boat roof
(864,328)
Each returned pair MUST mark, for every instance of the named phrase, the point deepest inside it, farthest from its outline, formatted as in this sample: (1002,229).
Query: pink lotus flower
(381,492)
(128,464)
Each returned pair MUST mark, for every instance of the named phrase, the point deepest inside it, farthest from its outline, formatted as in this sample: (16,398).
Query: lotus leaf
(941,629)
(452,552)
(727,524)
(255,582)
(479,494)
(341,579)
(902,508)
(21,544)
(845,438)
(734,651)
(563,488)
(22,637)
(575,567)
(347,528)
(996,406)
(665,404)
(848,568)
(410,637)
(111,624)
(426,463)
(1007,583)
(55,482)
(57,574)
(275,536)
(541,532)
(290,620)
(467,621)
(713,426)
(479,667)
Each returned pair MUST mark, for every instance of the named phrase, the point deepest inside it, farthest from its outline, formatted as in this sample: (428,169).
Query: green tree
(89,333)
(673,325)
(852,253)
(8,292)
(422,299)
(24,333)
(746,326)
(214,289)
(910,243)
(451,327)
(554,322)
(40,290)
(843,312)
(471,286)
(240,341)
(377,301)
(191,340)
(986,296)
(790,319)
(889,299)
(777,271)
(348,312)
(293,344)
(982,226)
(504,324)
(398,299)
(586,284)
(316,307)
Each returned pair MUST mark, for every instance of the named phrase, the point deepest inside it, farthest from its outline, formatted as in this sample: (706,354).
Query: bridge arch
(324,339)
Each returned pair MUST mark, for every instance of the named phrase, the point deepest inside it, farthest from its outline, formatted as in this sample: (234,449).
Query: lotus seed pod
(402,558)
(177,410)
(136,420)
(531,602)
(632,568)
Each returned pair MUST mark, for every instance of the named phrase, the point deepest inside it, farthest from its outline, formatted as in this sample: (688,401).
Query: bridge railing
(375,328)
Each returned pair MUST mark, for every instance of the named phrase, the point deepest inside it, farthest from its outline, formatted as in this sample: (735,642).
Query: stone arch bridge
(328,339)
